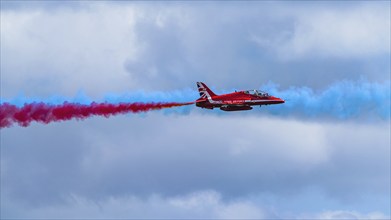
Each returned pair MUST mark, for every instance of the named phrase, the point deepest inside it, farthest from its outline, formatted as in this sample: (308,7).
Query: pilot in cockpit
(263,94)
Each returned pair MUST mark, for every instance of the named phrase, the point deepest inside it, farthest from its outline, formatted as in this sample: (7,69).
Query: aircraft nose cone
(280,100)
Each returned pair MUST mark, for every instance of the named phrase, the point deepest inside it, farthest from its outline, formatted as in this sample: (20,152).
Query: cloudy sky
(325,156)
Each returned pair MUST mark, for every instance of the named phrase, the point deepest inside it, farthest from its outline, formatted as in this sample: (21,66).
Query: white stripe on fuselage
(236,102)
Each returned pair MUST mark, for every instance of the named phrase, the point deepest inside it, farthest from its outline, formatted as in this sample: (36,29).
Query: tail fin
(205,92)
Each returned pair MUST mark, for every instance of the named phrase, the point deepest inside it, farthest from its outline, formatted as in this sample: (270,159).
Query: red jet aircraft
(236,101)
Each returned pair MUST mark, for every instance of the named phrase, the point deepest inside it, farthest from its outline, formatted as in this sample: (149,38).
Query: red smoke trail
(45,113)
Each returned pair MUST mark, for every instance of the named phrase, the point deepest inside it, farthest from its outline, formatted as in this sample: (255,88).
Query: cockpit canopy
(257,93)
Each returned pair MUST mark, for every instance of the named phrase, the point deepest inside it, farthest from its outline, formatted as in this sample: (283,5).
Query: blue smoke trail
(341,100)
(184,95)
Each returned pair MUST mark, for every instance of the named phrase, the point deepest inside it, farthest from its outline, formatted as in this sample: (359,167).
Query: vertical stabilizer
(205,92)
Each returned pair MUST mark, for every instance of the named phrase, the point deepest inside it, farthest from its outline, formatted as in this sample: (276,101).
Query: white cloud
(174,156)
(200,205)
(164,163)
(358,30)
(210,202)
(67,50)
(99,47)
(341,214)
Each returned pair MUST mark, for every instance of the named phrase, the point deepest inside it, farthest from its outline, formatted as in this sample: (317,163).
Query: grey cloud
(119,47)
(170,156)
(203,205)
(38,166)
(247,45)
(200,205)
(33,5)
(340,214)
(46,53)
(106,48)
